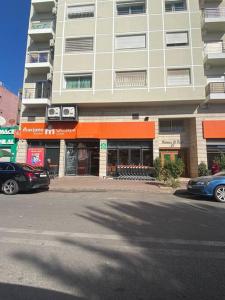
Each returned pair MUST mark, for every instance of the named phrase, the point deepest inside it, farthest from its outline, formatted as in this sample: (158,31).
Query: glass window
(80,11)
(171,126)
(131,7)
(79,82)
(176,5)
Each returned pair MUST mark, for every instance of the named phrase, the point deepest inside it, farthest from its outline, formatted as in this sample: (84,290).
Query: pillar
(103,158)
(156,141)
(62,159)
(21,155)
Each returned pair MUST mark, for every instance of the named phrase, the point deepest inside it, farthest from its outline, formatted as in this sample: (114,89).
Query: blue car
(210,186)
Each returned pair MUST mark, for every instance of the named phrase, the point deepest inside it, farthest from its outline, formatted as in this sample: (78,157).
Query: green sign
(103,145)
(8,144)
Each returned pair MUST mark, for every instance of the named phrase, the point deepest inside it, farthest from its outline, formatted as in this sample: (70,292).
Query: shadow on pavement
(20,292)
(158,261)
(183,193)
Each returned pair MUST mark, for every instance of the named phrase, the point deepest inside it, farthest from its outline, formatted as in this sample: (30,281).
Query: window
(80,11)
(79,44)
(80,81)
(178,77)
(130,7)
(130,79)
(174,126)
(177,38)
(175,5)
(131,41)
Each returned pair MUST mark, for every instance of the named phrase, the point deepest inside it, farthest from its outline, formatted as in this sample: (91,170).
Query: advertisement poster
(36,157)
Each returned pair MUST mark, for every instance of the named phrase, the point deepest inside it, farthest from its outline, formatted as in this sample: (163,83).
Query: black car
(16,177)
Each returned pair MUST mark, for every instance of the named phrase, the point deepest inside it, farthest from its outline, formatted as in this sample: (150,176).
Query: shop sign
(36,156)
(7,131)
(172,141)
(103,145)
(7,142)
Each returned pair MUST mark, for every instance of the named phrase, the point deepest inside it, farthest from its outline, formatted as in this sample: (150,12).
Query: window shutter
(79,44)
(131,41)
(178,77)
(130,79)
(176,38)
(80,11)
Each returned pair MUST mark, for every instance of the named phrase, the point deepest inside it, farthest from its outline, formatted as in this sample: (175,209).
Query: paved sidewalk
(91,183)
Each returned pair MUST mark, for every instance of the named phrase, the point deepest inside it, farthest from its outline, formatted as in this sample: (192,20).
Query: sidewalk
(90,183)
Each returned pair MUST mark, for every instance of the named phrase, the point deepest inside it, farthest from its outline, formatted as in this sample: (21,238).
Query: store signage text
(7,142)
(7,131)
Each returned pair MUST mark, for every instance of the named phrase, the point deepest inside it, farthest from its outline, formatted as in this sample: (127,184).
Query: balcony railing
(215,47)
(214,12)
(215,88)
(42,25)
(42,90)
(39,57)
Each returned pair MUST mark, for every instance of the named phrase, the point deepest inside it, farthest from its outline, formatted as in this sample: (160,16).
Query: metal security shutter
(79,44)
(130,79)
(178,77)
(177,38)
(80,11)
(131,41)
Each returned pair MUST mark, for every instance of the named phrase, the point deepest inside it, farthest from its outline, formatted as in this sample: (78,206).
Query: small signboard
(36,157)
(103,145)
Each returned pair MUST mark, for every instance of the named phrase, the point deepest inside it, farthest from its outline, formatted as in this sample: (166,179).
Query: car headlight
(202,183)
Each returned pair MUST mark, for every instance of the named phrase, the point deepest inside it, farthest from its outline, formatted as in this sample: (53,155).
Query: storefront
(88,148)
(214,133)
(8,144)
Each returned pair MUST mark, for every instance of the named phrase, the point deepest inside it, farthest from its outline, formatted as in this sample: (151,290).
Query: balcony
(214,19)
(41,31)
(215,53)
(38,95)
(43,6)
(215,91)
(39,62)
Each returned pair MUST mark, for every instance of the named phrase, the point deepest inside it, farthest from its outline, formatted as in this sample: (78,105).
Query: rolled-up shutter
(131,41)
(178,77)
(177,38)
(79,44)
(80,11)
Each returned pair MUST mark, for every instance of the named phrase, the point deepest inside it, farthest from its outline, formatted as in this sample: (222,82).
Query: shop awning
(88,130)
(214,129)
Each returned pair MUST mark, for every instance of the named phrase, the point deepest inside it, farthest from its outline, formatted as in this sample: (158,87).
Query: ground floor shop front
(81,149)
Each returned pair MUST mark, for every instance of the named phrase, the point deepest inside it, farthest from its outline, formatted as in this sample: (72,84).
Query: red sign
(36,157)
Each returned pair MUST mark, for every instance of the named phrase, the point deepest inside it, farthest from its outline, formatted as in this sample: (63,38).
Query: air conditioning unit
(69,112)
(49,76)
(54,10)
(52,43)
(54,113)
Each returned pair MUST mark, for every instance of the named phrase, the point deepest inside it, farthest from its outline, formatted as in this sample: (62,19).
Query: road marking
(96,236)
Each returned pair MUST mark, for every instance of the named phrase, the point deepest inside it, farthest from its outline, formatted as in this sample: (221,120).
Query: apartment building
(111,82)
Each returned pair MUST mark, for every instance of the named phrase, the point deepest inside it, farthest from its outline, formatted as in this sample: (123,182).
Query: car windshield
(219,174)
(26,167)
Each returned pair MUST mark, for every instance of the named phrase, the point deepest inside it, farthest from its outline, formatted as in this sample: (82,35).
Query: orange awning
(214,129)
(93,130)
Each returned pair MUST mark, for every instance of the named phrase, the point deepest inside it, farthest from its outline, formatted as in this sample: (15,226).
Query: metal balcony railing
(39,57)
(42,90)
(215,88)
(214,12)
(38,25)
(215,47)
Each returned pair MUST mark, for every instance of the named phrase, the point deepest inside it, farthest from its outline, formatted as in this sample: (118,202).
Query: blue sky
(13,37)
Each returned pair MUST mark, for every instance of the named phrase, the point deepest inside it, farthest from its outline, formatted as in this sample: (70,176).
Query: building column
(201,142)
(103,158)
(156,141)
(62,158)
(21,155)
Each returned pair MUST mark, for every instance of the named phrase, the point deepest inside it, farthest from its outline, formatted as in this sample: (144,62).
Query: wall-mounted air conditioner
(69,112)
(49,76)
(54,113)
(52,43)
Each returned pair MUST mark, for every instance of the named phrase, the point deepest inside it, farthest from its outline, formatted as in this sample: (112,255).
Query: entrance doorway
(173,154)
(82,158)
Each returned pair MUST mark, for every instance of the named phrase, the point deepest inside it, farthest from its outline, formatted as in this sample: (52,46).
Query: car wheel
(219,193)
(10,187)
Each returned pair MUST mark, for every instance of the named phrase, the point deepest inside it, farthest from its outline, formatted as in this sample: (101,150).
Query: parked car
(210,186)
(16,177)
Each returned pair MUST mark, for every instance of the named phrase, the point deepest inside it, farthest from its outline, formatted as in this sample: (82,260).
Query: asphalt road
(111,245)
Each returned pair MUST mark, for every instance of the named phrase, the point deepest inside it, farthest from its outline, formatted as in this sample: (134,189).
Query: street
(111,245)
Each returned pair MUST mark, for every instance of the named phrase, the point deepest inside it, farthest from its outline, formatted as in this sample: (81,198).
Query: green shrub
(202,169)
(164,175)
(221,160)
(157,167)
(174,183)
(175,168)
